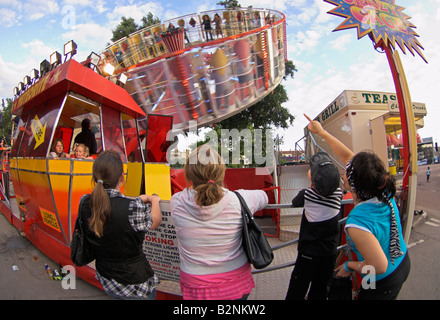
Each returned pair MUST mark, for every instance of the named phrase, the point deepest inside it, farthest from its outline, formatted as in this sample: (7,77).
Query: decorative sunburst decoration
(381,20)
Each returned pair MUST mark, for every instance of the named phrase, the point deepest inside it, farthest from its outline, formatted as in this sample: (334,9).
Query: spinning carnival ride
(203,75)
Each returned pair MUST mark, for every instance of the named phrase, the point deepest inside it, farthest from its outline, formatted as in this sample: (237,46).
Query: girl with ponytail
(373,227)
(116,230)
(208,222)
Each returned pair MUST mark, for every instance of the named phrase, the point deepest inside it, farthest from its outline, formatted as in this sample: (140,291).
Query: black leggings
(313,271)
(389,287)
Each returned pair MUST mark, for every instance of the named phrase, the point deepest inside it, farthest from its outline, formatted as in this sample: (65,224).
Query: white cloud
(89,37)
(96,5)
(170,14)
(8,18)
(323,8)
(7,73)
(38,49)
(13,4)
(137,12)
(305,41)
(307,15)
(341,42)
(11,74)
(37,9)
(269,4)
(19,12)
(81,3)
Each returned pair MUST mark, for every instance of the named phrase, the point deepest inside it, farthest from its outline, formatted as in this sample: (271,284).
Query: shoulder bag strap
(79,218)
(245,211)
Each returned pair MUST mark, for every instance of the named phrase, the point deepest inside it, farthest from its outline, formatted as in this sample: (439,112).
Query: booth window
(38,129)
(112,131)
(131,137)
(157,145)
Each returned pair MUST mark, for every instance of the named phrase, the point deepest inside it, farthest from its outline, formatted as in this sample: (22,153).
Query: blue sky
(327,62)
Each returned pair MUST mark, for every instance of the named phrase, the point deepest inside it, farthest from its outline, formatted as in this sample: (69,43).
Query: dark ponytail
(107,171)
(387,188)
(368,178)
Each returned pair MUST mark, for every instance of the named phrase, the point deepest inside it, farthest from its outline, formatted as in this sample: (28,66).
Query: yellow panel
(393,121)
(33,164)
(60,184)
(13,163)
(59,166)
(82,166)
(133,179)
(157,180)
(82,180)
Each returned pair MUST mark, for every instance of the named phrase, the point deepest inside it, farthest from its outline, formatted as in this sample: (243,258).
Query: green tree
(6,121)
(128,26)
(149,20)
(124,28)
(229,4)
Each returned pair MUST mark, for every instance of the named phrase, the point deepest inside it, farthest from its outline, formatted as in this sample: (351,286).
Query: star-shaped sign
(382,20)
(55,76)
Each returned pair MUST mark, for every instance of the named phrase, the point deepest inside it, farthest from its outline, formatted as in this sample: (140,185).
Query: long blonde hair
(107,172)
(85,149)
(205,170)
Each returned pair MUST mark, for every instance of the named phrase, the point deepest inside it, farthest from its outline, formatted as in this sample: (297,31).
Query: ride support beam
(410,168)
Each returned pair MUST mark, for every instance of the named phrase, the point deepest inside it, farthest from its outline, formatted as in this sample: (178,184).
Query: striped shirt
(319,208)
(319,225)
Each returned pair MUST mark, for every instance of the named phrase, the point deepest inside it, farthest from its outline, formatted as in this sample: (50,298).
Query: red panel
(243,178)
(157,144)
(74,76)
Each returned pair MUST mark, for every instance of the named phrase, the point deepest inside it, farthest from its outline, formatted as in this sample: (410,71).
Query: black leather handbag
(255,244)
(81,253)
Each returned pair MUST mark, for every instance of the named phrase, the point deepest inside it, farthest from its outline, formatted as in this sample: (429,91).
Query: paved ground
(424,280)
(23,276)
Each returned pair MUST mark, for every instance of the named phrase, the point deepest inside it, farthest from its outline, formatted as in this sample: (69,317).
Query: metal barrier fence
(294,241)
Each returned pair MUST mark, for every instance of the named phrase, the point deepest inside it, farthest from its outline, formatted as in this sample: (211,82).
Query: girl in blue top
(373,227)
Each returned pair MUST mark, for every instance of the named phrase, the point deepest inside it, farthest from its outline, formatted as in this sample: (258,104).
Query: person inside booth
(57,150)
(86,136)
(81,151)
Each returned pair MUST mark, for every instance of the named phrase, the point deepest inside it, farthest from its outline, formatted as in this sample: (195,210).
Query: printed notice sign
(160,246)
(50,219)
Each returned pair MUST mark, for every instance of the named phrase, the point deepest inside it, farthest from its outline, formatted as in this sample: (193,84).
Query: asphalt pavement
(23,274)
(424,246)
